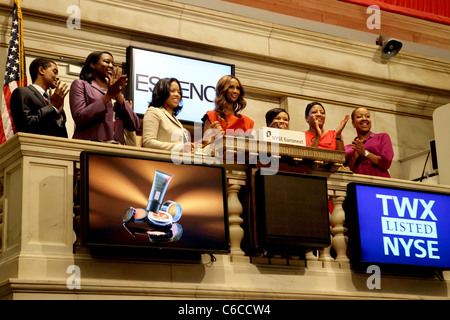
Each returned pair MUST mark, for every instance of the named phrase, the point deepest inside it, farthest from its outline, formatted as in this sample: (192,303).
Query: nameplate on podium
(274,135)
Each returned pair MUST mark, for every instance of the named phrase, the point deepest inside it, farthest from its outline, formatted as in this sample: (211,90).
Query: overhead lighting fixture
(390,46)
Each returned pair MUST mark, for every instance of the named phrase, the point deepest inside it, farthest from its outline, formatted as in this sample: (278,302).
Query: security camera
(390,47)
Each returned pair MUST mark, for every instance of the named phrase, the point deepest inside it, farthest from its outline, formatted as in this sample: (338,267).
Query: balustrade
(31,236)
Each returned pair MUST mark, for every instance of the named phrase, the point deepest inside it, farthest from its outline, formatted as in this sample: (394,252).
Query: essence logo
(189,90)
(405,234)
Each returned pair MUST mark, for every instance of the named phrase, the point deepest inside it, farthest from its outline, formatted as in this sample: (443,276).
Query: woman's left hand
(358,146)
(342,125)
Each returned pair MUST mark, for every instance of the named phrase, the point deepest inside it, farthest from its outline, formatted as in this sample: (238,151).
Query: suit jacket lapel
(38,95)
(172,118)
(42,99)
(96,86)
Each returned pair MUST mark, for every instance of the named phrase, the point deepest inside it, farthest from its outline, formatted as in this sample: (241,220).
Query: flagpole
(21,56)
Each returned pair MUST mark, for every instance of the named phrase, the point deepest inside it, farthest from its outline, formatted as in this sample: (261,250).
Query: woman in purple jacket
(98,107)
(370,153)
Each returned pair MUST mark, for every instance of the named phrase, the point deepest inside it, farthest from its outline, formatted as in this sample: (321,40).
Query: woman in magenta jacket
(370,153)
(98,107)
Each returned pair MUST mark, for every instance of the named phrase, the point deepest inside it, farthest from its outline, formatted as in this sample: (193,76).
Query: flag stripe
(8,126)
(15,74)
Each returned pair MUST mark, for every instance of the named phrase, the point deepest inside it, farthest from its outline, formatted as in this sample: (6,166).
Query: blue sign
(398,226)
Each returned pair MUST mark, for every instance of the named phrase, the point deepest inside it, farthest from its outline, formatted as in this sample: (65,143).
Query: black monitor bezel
(286,243)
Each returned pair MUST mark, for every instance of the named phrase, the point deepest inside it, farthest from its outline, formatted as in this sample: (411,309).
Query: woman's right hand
(213,131)
(116,83)
(216,126)
(319,131)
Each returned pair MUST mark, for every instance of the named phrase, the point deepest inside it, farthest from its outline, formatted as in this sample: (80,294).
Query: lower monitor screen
(292,211)
(151,204)
(398,226)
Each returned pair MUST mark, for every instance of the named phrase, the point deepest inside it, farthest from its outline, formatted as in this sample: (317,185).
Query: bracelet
(338,139)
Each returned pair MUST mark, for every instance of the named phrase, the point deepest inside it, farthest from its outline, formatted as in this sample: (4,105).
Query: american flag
(15,75)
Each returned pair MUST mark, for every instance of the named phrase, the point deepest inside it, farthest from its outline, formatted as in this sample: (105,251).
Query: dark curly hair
(161,92)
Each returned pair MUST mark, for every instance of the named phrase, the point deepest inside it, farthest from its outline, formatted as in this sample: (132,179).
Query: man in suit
(36,111)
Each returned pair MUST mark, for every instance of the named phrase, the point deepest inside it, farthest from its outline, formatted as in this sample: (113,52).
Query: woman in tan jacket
(161,128)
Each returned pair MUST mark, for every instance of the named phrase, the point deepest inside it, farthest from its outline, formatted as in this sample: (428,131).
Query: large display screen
(398,226)
(141,203)
(198,80)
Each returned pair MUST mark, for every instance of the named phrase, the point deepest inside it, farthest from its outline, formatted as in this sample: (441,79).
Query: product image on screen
(152,204)
(198,79)
(395,226)
(160,220)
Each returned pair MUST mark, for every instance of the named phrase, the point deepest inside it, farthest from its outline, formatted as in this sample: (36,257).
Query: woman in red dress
(226,119)
(316,136)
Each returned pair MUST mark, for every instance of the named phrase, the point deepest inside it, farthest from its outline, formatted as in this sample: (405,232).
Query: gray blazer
(32,114)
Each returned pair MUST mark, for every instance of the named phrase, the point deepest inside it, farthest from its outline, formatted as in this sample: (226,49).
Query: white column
(338,229)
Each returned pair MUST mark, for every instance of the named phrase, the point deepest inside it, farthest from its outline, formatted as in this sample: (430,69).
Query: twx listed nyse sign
(404,227)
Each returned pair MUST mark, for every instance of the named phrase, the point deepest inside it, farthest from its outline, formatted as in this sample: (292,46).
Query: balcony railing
(39,214)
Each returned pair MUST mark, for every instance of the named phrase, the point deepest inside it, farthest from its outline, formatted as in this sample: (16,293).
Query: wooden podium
(245,150)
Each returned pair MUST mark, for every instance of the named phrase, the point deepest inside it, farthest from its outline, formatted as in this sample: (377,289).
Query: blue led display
(403,227)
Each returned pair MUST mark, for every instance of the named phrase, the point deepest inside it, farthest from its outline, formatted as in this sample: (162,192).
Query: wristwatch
(366,153)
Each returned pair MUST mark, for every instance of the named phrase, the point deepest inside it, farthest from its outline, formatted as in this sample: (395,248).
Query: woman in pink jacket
(98,107)
(370,153)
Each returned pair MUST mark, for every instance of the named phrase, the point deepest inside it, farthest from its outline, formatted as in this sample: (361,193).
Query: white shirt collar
(38,88)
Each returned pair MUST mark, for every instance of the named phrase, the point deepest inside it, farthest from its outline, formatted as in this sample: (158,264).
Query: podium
(245,150)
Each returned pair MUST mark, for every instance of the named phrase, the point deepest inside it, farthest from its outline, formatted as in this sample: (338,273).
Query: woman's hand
(342,125)
(116,83)
(213,131)
(188,147)
(319,131)
(358,146)
(216,126)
